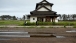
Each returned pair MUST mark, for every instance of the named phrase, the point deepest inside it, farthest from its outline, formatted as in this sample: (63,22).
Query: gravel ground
(69,37)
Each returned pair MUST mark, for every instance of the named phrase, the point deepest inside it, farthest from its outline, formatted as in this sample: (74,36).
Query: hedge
(51,23)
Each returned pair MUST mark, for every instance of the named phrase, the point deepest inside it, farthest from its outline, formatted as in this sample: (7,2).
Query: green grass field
(21,22)
(11,22)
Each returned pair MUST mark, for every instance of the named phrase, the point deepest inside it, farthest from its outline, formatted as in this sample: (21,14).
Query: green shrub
(50,23)
(44,23)
(38,23)
(29,24)
(64,26)
(74,26)
(65,23)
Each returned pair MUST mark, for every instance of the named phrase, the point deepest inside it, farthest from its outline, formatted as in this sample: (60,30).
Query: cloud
(20,7)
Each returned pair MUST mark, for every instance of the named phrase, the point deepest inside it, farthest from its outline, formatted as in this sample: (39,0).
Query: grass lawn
(21,22)
(68,21)
(11,22)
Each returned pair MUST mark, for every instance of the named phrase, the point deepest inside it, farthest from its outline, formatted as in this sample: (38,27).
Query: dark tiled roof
(47,3)
(45,15)
(43,12)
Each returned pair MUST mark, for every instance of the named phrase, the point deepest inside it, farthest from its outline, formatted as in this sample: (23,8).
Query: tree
(74,16)
(24,17)
(5,17)
(14,18)
(68,16)
(60,16)
(64,17)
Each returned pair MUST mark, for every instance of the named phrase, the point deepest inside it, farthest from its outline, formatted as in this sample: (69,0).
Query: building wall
(44,9)
(51,19)
(44,19)
(49,7)
(56,20)
(33,19)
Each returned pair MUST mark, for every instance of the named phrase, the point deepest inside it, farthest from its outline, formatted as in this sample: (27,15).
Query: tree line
(67,17)
(8,17)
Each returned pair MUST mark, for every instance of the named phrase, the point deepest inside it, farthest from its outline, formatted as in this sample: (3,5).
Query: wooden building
(43,12)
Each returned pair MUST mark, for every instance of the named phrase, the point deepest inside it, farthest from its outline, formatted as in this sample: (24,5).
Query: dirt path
(69,37)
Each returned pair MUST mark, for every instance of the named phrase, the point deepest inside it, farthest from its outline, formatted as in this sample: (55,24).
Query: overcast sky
(22,7)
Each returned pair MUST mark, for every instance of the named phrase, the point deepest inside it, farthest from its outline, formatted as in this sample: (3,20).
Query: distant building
(43,13)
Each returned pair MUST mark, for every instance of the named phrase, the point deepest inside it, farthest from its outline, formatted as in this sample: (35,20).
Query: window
(33,18)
